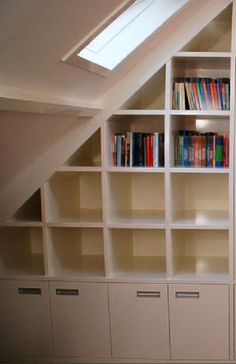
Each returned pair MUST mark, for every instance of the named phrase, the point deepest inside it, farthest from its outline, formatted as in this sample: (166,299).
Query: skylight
(128,31)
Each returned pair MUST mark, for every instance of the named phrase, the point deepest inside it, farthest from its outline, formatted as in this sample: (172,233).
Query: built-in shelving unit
(94,219)
(137,263)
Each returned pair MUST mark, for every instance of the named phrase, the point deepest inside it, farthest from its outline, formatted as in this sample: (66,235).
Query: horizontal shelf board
(23,223)
(217,113)
(203,54)
(79,169)
(75,224)
(19,265)
(140,267)
(130,225)
(199,170)
(136,218)
(136,169)
(217,220)
(206,268)
(83,216)
(139,112)
(79,266)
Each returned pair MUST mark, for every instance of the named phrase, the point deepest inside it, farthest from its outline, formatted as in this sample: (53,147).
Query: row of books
(193,149)
(201,94)
(136,149)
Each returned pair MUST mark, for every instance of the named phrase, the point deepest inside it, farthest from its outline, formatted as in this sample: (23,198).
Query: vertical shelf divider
(104,164)
(169,259)
(44,227)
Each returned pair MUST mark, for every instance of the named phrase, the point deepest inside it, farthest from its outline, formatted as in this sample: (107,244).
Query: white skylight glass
(128,31)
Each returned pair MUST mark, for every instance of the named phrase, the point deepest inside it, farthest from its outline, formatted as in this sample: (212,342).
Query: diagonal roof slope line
(193,17)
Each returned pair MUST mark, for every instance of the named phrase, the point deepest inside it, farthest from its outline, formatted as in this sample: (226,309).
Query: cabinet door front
(139,321)
(199,322)
(80,319)
(25,318)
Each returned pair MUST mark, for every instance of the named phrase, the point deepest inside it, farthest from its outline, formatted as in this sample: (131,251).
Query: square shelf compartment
(121,124)
(30,211)
(150,96)
(138,253)
(200,124)
(74,197)
(200,199)
(76,251)
(89,154)
(200,254)
(21,251)
(136,199)
(215,37)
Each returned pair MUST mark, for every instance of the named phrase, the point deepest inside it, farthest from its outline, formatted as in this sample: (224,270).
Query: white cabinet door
(139,321)
(199,322)
(80,319)
(25,318)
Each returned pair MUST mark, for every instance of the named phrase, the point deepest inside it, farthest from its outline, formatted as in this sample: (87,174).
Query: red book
(149,150)
(196,146)
(225,150)
(203,151)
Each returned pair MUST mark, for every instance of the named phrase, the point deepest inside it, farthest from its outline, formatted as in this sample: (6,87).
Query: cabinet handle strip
(152,294)
(29,291)
(187,295)
(67,292)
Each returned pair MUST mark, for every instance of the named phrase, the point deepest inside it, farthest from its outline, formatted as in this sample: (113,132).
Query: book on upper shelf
(200,93)
(195,149)
(136,149)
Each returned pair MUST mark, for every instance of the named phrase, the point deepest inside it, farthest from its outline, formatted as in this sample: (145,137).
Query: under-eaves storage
(127,252)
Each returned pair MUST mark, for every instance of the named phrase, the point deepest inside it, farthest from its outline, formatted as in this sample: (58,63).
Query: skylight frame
(154,22)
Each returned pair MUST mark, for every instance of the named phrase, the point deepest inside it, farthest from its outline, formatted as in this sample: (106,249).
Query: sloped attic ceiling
(110,93)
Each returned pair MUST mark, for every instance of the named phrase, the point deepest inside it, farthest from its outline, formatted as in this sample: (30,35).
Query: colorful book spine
(192,149)
(201,94)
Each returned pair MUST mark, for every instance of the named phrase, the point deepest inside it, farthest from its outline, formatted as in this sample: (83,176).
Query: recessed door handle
(26,290)
(67,292)
(187,294)
(149,294)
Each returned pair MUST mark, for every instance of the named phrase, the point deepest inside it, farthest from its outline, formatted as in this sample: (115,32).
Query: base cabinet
(199,322)
(80,320)
(139,321)
(25,319)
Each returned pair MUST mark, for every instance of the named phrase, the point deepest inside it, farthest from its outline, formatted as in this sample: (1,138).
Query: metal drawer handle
(29,291)
(187,294)
(67,292)
(152,294)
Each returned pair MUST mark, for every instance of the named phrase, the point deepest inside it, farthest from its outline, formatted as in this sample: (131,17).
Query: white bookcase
(154,228)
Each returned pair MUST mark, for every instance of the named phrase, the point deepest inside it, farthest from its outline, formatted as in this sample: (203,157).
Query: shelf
(136,198)
(210,113)
(139,218)
(21,251)
(29,213)
(200,199)
(150,96)
(216,36)
(89,154)
(200,219)
(138,253)
(200,254)
(204,170)
(74,197)
(202,268)
(139,112)
(136,169)
(76,252)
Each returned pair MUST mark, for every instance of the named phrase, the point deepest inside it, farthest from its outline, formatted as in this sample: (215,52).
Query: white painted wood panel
(80,319)
(139,321)
(199,322)
(25,319)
